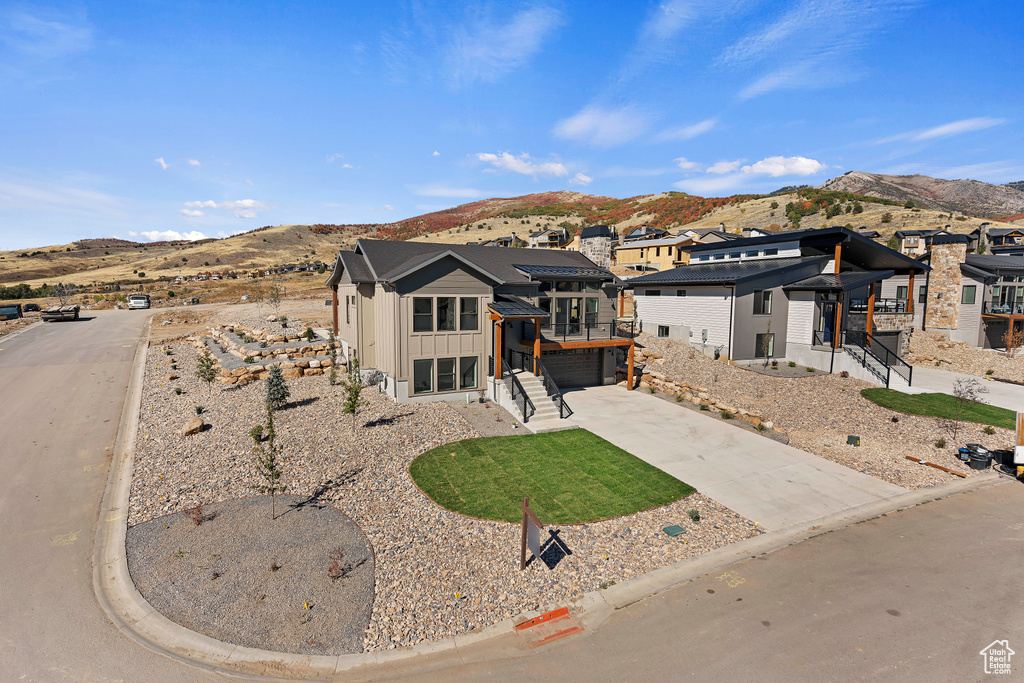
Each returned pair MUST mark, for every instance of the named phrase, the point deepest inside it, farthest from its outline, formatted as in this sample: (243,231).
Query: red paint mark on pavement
(549,627)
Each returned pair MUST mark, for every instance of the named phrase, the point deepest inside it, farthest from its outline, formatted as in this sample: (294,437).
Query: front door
(826,320)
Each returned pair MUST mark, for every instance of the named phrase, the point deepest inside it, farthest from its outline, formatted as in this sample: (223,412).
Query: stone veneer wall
(944,285)
(598,250)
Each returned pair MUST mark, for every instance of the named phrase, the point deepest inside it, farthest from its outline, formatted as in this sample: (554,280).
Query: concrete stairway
(546,418)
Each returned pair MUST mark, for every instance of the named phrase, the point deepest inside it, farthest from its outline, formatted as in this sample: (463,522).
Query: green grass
(571,477)
(940,405)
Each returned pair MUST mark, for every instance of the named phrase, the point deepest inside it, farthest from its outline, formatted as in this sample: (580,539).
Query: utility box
(853,440)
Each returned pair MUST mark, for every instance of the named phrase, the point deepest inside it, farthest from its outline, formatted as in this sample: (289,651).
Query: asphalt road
(63,387)
(911,596)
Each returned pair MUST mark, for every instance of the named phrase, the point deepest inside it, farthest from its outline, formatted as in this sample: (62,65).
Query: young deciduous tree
(1013,339)
(267,456)
(353,387)
(274,294)
(277,389)
(332,376)
(966,394)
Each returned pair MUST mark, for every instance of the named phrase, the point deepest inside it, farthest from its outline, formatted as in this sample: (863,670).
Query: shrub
(887,217)
(199,410)
(989,429)
(248,359)
(990,371)
(792,363)
(195,514)
(177,390)
(309,334)
(858,207)
(941,443)
(277,389)
(810,369)
(694,514)
(726,415)
(170,293)
(909,204)
(775,205)
(651,389)
(760,427)
(679,398)
(704,406)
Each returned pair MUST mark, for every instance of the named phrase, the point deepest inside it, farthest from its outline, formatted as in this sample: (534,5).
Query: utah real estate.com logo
(997,657)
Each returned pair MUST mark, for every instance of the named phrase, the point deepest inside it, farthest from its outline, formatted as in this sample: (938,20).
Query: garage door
(574,367)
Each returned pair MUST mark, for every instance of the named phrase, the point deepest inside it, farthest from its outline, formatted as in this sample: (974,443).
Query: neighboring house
(996,239)
(781,296)
(660,254)
(917,242)
(442,320)
(870,234)
(643,233)
(551,238)
(709,235)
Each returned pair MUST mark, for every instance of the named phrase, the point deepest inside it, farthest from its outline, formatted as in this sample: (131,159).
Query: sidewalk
(931,380)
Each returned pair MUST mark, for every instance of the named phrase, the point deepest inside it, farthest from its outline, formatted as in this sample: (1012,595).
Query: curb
(23,330)
(132,614)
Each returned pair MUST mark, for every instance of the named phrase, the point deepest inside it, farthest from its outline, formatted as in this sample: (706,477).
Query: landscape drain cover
(674,530)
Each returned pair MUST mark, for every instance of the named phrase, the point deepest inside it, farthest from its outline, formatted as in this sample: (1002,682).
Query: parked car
(30,308)
(138,301)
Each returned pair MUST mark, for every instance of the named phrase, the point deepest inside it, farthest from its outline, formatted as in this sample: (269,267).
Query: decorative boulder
(193,426)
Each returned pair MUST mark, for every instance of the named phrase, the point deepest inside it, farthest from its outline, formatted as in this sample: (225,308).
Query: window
(545,304)
(593,286)
(771,252)
(422,314)
(567,286)
(680,292)
(764,345)
(752,253)
(922,294)
(591,311)
(652,292)
(663,331)
(969,294)
(657,252)
(762,302)
(734,254)
(423,375)
(467,314)
(704,257)
(348,311)
(911,241)
(467,372)
(446,374)
(446,314)
(901,291)
(719,257)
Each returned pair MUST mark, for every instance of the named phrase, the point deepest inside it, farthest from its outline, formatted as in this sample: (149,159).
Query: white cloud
(249,183)
(168,235)
(687,165)
(386,207)
(722,167)
(581,179)
(783,166)
(331,158)
(192,213)
(56,197)
(523,164)
(46,35)
(436,153)
(686,132)
(704,185)
(194,162)
(241,208)
(437,190)
(485,50)
(163,164)
(946,130)
(602,127)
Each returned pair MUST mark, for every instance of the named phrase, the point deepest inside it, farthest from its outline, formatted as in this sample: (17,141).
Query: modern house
(551,238)
(917,242)
(439,321)
(643,233)
(709,235)
(997,240)
(797,295)
(660,254)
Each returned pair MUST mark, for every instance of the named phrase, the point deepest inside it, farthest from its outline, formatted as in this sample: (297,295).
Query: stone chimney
(944,285)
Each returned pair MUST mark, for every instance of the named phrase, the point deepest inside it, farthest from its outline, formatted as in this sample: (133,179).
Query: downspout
(732,304)
(927,280)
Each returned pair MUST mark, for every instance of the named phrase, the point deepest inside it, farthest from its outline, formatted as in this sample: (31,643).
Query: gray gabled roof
(385,261)
(840,282)
(508,306)
(992,264)
(725,272)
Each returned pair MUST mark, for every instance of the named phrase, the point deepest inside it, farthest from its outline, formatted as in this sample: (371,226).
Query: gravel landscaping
(819,411)
(936,350)
(243,578)
(436,573)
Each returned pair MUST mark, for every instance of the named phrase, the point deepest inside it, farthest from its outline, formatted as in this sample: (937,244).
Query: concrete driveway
(768,482)
(931,380)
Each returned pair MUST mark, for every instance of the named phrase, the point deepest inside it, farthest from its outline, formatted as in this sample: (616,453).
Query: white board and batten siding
(800,321)
(703,308)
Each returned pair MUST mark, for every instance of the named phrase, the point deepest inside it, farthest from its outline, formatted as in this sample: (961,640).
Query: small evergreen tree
(277,390)
(206,371)
(353,387)
(332,376)
(267,455)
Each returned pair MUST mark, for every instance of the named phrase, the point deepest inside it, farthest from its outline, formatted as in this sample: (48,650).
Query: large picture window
(762,302)
(422,376)
(446,314)
(468,314)
(422,315)
(467,372)
(446,374)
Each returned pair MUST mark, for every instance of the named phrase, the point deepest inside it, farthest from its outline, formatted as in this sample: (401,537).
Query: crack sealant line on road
(132,614)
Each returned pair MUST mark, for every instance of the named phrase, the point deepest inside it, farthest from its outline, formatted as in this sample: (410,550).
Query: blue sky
(151,120)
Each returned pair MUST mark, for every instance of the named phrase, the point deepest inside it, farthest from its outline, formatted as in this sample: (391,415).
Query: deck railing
(562,332)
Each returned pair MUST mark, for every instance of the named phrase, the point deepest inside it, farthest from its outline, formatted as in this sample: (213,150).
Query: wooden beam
(494,316)
(910,294)
(839,317)
(839,254)
(629,372)
(871,313)
(536,345)
(622,303)
(498,350)
(334,305)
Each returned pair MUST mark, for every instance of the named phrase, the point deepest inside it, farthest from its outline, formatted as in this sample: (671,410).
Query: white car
(138,301)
